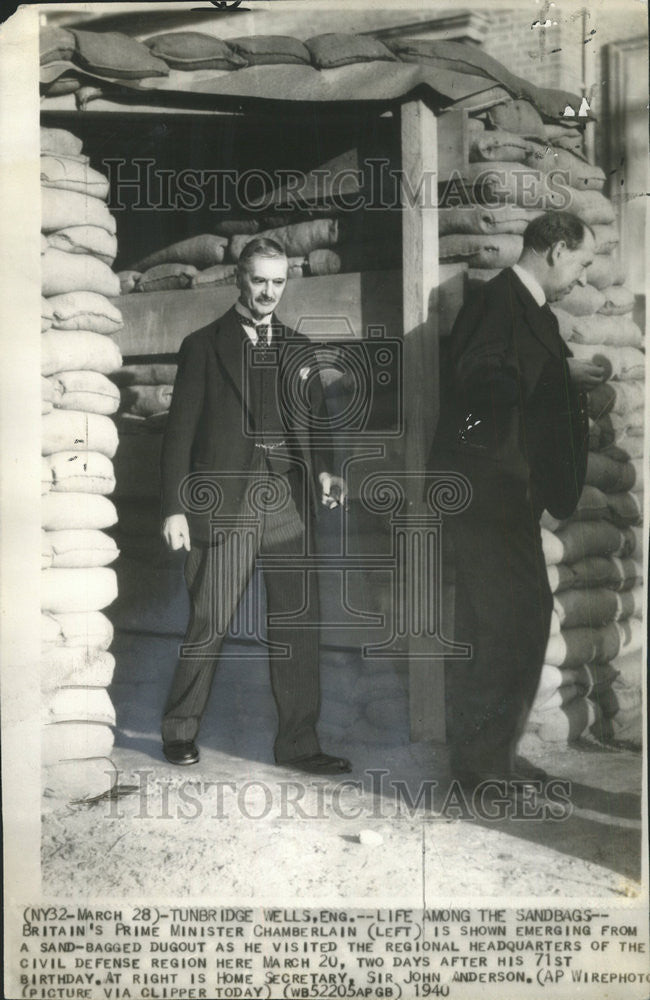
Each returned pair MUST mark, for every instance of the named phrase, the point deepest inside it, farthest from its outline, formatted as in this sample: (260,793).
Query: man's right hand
(176,532)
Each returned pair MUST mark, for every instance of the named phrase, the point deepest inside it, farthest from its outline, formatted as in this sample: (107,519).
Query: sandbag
(60,511)
(550,679)
(155,373)
(71,175)
(334,49)
(620,426)
(191,50)
(55,45)
(166,278)
(630,446)
(220,274)
(237,227)
(86,240)
(128,281)
(118,56)
(625,509)
(618,300)
(85,310)
(601,571)
(75,741)
(46,315)
(78,589)
(592,607)
(605,270)
(81,472)
(81,547)
(62,209)
(591,506)
(266,50)
(146,400)
(582,300)
(501,182)
(63,272)
(497,251)
(518,116)
(84,390)
(79,704)
(560,577)
(199,251)
(86,630)
(561,696)
(591,206)
(296,240)
(79,780)
(499,145)
(320,262)
(622,364)
(579,539)
(552,547)
(49,393)
(606,238)
(76,666)
(74,430)
(76,350)
(628,396)
(57,140)
(578,173)
(569,723)
(618,331)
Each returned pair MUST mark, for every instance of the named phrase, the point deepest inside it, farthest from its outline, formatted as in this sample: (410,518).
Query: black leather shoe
(319,763)
(181,752)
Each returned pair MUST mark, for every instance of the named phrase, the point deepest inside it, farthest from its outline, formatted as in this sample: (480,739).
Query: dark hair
(259,246)
(550,228)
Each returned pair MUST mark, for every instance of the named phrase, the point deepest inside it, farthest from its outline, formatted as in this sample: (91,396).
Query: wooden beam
(421,281)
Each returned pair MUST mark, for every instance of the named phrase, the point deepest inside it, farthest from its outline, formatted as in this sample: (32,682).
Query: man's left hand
(334,491)
(586,375)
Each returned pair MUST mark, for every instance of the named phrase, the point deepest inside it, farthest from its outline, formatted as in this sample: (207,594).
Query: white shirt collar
(251,324)
(531,283)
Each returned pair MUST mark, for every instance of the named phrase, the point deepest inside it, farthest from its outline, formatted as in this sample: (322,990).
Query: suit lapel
(543,326)
(229,338)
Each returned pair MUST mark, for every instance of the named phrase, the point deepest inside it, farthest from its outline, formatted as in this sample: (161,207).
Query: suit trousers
(503,610)
(216,578)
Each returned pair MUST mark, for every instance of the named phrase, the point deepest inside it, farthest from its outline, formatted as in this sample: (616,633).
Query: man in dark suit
(515,424)
(247,425)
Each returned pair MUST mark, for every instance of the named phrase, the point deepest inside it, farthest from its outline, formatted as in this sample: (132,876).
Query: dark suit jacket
(211,423)
(511,419)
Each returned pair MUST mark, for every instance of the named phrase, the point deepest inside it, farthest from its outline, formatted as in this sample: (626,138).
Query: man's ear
(556,251)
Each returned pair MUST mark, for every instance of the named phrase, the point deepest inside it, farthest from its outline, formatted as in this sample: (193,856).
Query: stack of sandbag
(145,396)
(518,161)
(79,440)
(593,672)
(487,236)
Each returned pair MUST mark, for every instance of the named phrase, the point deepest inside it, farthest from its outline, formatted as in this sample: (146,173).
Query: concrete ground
(238,829)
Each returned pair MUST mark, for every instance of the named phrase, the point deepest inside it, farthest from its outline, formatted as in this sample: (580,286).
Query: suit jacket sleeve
(482,353)
(321,440)
(182,421)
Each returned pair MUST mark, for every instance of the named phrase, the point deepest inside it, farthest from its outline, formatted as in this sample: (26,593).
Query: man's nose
(582,277)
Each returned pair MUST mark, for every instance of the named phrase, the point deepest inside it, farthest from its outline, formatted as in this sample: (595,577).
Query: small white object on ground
(370,838)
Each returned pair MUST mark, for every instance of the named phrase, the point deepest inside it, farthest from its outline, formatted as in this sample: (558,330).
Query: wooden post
(421,280)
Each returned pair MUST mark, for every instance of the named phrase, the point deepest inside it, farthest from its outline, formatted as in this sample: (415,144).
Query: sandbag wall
(592,676)
(79,441)
(519,167)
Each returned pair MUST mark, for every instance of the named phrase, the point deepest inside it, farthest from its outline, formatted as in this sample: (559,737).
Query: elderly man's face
(261,284)
(569,267)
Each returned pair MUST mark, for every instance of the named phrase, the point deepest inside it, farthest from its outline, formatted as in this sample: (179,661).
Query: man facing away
(515,424)
(240,383)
